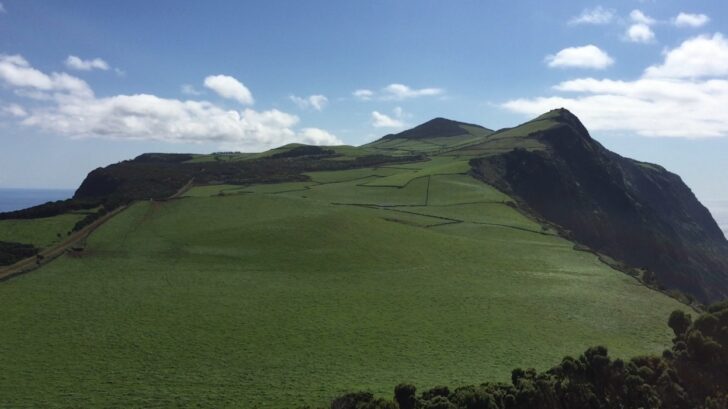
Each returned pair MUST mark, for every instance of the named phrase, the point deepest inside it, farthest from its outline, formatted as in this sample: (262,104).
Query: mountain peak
(564,116)
(434,128)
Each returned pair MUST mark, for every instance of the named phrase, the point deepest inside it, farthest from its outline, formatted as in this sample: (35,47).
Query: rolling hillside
(347,269)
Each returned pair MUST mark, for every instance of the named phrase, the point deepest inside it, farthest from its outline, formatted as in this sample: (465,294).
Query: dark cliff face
(635,212)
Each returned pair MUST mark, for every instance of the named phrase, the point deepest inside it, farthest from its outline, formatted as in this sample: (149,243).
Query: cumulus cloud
(380,120)
(189,89)
(363,94)
(76,63)
(317,102)
(668,100)
(691,20)
(639,17)
(397,92)
(17,72)
(597,15)
(640,31)
(67,105)
(588,56)
(230,88)
(316,136)
(702,56)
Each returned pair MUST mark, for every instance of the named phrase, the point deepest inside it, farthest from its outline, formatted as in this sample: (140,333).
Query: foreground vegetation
(693,374)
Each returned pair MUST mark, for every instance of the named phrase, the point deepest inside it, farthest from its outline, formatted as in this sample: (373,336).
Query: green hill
(289,277)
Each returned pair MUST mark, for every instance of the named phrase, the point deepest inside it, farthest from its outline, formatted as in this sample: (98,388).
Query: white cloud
(641,18)
(189,89)
(691,20)
(363,94)
(76,63)
(588,56)
(640,33)
(67,105)
(18,73)
(668,100)
(703,56)
(2,8)
(597,15)
(317,102)
(397,92)
(316,136)
(14,110)
(229,87)
(401,91)
(380,120)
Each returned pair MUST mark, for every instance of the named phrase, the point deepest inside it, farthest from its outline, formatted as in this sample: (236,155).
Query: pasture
(283,295)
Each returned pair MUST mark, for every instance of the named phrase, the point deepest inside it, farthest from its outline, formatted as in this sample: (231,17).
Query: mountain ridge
(635,212)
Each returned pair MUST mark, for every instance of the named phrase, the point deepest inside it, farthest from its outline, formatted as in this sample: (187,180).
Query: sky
(87,83)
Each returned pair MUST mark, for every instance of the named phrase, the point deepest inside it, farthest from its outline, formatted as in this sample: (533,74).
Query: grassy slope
(280,297)
(41,233)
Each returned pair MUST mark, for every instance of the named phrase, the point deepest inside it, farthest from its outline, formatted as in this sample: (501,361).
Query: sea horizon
(719,210)
(12,199)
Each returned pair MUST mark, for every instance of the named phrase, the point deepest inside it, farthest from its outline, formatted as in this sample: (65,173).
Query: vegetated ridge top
(435,128)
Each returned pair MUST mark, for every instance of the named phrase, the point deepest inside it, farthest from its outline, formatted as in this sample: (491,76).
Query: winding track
(49,254)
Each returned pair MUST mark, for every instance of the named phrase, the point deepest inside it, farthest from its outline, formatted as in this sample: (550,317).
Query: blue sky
(88,83)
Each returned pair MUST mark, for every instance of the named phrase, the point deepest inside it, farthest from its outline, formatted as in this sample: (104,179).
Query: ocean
(16,199)
(719,210)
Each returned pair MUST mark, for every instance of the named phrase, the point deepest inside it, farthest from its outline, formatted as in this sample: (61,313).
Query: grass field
(41,233)
(291,294)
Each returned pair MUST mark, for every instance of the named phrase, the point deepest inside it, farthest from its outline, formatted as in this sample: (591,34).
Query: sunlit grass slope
(42,232)
(289,294)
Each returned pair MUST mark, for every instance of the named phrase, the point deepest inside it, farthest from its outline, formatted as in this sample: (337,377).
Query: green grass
(351,174)
(436,166)
(41,233)
(506,140)
(428,145)
(458,189)
(283,297)
(212,190)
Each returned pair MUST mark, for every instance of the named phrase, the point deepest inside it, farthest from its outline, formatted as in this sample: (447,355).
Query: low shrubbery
(11,253)
(90,218)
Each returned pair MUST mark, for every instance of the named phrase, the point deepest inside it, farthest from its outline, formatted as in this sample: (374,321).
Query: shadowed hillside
(636,212)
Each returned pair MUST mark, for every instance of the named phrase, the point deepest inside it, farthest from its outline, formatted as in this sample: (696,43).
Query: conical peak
(566,117)
(434,128)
